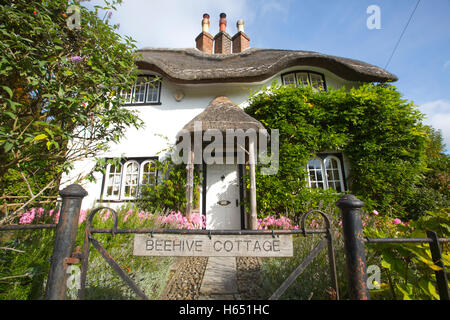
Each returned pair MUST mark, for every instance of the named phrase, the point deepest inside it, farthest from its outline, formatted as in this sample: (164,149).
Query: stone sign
(180,245)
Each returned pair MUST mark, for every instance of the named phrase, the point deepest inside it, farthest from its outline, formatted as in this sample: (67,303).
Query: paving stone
(220,277)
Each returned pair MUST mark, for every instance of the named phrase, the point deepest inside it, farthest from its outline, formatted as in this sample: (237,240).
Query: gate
(66,230)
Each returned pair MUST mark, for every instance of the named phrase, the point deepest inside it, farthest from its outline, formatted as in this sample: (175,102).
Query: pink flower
(397,221)
(57,216)
(82,217)
(375,212)
(27,217)
(125,218)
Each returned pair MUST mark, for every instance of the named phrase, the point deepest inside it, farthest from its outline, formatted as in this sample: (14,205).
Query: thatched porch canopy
(222,114)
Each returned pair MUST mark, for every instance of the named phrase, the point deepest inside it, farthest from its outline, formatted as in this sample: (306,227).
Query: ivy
(380,133)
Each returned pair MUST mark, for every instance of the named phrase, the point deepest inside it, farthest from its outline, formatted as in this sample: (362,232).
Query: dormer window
(305,78)
(146,90)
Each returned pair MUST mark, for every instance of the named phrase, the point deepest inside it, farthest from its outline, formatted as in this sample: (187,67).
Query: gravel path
(186,279)
(187,274)
(249,278)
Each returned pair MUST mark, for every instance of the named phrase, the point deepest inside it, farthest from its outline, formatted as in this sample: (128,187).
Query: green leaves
(40,137)
(379,133)
(50,94)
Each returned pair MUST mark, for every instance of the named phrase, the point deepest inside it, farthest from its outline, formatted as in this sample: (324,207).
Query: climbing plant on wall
(379,132)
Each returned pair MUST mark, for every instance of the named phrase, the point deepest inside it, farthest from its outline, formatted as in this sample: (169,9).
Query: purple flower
(75,59)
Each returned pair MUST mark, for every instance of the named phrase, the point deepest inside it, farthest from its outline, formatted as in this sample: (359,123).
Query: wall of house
(170,116)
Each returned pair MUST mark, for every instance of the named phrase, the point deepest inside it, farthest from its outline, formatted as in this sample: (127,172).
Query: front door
(222,197)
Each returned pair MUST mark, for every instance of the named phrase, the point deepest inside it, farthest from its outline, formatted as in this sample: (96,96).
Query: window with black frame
(146,90)
(304,79)
(122,180)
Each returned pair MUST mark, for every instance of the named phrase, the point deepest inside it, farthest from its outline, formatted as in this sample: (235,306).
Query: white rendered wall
(169,118)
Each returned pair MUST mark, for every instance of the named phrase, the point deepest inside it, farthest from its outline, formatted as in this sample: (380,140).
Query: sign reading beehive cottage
(213,246)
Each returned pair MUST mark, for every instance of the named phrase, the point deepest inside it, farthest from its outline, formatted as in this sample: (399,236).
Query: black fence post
(354,246)
(66,233)
(441,275)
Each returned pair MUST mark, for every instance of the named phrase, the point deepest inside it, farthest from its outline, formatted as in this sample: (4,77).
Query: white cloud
(438,116)
(268,7)
(175,24)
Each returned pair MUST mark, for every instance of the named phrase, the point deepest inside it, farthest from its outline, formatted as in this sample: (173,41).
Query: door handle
(223,203)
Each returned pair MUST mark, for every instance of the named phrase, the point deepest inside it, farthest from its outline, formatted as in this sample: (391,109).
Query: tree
(381,134)
(59,89)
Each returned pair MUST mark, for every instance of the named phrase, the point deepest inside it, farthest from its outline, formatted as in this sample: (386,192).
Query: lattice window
(325,173)
(334,173)
(147,89)
(131,179)
(113,181)
(149,173)
(304,79)
(315,173)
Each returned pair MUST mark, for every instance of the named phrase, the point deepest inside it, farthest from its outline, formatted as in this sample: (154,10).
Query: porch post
(190,183)
(253,212)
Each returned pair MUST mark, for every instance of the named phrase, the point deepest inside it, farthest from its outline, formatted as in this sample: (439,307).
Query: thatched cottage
(210,85)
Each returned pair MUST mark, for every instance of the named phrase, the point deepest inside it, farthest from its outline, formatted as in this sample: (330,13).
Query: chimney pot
(240,39)
(223,22)
(205,23)
(204,41)
(240,25)
(222,40)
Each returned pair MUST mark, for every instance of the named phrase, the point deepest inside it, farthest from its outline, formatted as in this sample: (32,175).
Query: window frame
(106,185)
(309,72)
(323,157)
(141,175)
(150,78)
(124,176)
(123,162)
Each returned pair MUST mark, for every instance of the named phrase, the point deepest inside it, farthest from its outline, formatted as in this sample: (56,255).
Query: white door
(222,197)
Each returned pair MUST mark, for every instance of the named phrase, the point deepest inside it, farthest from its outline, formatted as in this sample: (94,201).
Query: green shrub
(169,193)
(380,133)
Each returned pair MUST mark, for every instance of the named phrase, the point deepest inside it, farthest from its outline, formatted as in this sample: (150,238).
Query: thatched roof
(223,114)
(252,65)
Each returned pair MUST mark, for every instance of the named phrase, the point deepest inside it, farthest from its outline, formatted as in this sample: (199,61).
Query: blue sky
(335,27)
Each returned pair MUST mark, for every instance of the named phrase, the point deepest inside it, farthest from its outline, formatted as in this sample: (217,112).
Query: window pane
(302,79)
(316,179)
(153,90)
(126,94)
(113,181)
(317,81)
(334,174)
(289,79)
(149,173)
(131,179)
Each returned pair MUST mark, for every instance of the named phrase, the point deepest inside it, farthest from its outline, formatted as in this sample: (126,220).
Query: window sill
(142,104)
(115,200)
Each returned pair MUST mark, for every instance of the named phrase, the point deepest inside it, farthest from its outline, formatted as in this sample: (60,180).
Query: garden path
(220,280)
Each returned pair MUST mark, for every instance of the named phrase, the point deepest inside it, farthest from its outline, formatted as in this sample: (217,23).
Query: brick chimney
(222,40)
(240,39)
(204,41)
